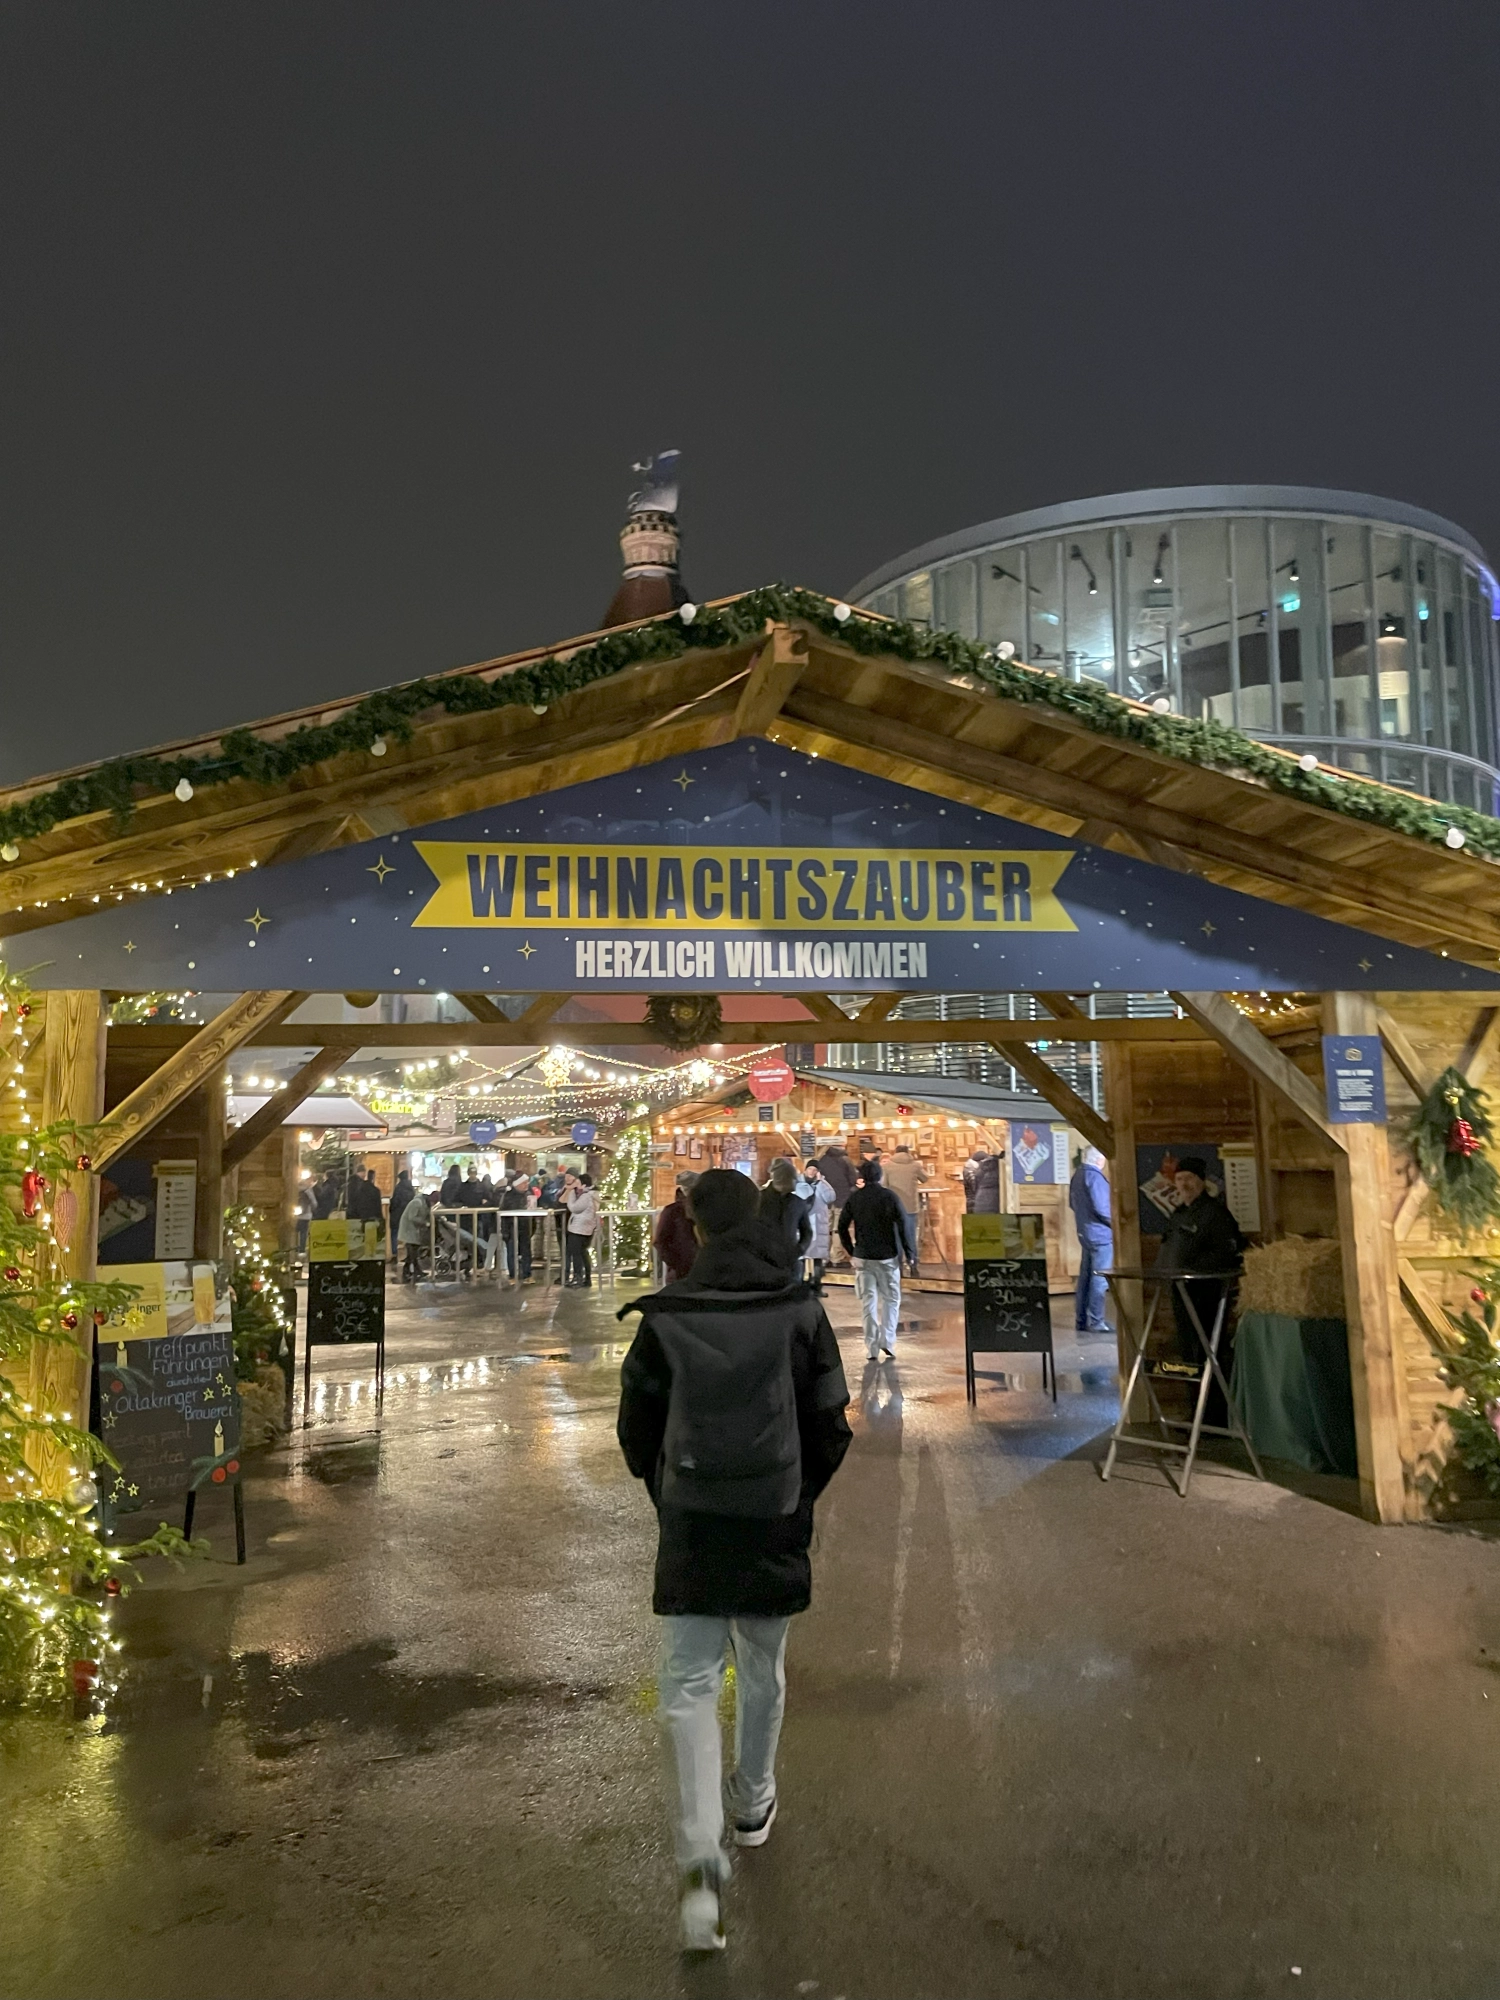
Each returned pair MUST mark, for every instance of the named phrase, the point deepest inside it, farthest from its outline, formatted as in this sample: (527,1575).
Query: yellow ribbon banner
(773,888)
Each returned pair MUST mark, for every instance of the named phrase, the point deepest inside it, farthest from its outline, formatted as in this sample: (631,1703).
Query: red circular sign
(770,1078)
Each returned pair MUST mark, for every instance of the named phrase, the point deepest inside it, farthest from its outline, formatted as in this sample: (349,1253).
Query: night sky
(330,331)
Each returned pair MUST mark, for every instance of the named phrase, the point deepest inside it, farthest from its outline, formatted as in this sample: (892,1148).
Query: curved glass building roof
(1360,628)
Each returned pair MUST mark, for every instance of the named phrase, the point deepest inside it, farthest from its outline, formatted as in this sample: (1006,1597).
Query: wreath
(1448,1134)
(685,1020)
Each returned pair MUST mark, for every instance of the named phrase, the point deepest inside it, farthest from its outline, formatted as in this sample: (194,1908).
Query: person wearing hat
(1202,1235)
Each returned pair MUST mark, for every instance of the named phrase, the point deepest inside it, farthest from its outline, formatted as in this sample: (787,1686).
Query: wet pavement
(1044,1736)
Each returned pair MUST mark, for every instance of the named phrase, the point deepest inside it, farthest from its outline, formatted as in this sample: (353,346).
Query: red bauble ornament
(1478,1295)
(33,1187)
(83,1163)
(70,1321)
(100,1316)
(12,1274)
(1461,1139)
(111,1586)
(23,1010)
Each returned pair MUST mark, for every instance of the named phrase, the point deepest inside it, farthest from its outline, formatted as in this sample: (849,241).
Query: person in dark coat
(787,1212)
(674,1240)
(325,1198)
(732,1561)
(451,1193)
(982,1182)
(514,1198)
(1088,1197)
(401,1194)
(1201,1235)
(837,1169)
(365,1204)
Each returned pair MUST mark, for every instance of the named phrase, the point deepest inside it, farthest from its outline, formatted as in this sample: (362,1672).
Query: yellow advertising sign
(343,1241)
(721,888)
(1004,1236)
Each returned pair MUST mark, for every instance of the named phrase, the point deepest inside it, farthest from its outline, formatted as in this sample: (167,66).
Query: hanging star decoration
(258,921)
(380,870)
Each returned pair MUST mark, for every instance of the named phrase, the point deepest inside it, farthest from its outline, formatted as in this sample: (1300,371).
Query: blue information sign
(1354,1076)
(584,1134)
(483,1131)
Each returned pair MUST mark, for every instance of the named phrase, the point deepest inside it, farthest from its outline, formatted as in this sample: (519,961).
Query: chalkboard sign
(345,1308)
(346,1304)
(170,1413)
(1006,1310)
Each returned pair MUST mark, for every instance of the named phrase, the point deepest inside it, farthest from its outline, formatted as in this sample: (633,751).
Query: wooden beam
(538,1014)
(1125,1210)
(1062,1006)
(482,1007)
(1237,1034)
(1372,1294)
(242,1142)
(316,836)
(880,1007)
(779,666)
(1069,793)
(1473,1065)
(1419,1303)
(1398,1047)
(349,1035)
(192,1064)
(823,1009)
(1046,1082)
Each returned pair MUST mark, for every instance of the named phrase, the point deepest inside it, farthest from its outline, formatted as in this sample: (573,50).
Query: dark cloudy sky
(330,330)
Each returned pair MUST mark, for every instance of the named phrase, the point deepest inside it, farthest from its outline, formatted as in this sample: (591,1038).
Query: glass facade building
(1357,628)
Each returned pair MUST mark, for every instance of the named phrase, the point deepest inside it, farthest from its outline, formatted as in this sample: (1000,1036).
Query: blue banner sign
(483,1131)
(744,868)
(584,1133)
(1354,1077)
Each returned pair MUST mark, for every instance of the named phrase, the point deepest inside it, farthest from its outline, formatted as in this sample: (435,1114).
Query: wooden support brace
(538,1014)
(879,1007)
(192,1064)
(1062,1007)
(1236,1033)
(1046,1082)
(779,666)
(823,1009)
(243,1141)
(1398,1047)
(482,1007)
(1419,1303)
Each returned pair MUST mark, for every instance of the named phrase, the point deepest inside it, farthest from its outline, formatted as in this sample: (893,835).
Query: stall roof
(929,710)
(317,1113)
(955,1096)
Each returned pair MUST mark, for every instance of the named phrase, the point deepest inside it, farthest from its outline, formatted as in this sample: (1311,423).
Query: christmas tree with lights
(57,1577)
(628,1185)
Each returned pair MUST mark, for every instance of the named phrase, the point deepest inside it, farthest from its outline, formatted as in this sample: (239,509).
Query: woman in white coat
(583,1220)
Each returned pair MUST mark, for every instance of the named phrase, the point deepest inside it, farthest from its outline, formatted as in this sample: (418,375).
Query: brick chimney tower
(648,542)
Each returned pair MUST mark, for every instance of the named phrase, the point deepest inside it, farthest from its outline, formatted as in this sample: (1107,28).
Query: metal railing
(1450,776)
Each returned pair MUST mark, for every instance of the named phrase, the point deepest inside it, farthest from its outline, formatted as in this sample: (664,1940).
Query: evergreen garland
(685,1020)
(1448,1134)
(118,785)
(1474,1370)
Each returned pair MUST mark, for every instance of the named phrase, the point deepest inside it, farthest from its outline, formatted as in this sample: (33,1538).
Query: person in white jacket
(583,1219)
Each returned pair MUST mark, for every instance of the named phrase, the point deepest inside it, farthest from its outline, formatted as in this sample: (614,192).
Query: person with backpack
(874,1230)
(732,1401)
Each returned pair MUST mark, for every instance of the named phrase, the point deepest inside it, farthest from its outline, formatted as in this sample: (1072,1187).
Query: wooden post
(1264,1102)
(1372,1295)
(72,1087)
(1124,1195)
(208,1218)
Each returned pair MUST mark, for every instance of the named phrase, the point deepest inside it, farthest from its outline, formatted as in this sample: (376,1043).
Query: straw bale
(1300,1276)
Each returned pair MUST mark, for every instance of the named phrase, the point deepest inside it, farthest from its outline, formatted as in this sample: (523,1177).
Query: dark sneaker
(702,1924)
(753,1830)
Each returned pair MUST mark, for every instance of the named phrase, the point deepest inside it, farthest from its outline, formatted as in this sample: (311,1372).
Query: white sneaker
(702,1924)
(754,1829)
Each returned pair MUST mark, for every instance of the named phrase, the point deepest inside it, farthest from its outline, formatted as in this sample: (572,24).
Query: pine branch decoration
(1449,1133)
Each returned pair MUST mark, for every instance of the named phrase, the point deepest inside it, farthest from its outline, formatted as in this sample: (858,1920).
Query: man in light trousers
(732,1402)
(874,1229)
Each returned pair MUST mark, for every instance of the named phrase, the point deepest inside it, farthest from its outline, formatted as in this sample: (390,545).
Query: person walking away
(732,1401)
(982,1182)
(785,1210)
(515,1235)
(873,1229)
(1088,1197)
(583,1220)
(820,1214)
(412,1236)
(401,1194)
(673,1239)
(838,1170)
(904,1174)
(1201,1235)
(365,1204)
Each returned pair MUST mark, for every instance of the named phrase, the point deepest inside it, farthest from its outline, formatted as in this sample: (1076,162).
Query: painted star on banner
(257,920)
(682,781)
(526,950)
(130,945)
(381,869)
(1207,928)
(1365,964)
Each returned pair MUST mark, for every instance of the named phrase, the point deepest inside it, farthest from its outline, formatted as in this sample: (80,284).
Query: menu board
(1005,1285)
(176,1207)
(169,1411)
(346,1303)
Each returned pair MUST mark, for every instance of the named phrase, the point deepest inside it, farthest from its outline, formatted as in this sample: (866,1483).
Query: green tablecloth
(1291,1388)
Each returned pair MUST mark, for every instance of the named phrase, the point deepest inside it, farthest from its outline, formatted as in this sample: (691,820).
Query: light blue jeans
(877,1286)
(693,1655)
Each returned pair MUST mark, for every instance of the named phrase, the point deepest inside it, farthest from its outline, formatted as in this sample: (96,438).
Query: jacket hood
(750,1259)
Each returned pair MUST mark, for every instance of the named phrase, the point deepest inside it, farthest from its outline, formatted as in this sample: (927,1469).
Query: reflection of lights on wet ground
(335,1397)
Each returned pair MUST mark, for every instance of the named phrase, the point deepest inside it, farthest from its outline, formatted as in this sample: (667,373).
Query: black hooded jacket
(721,1565)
